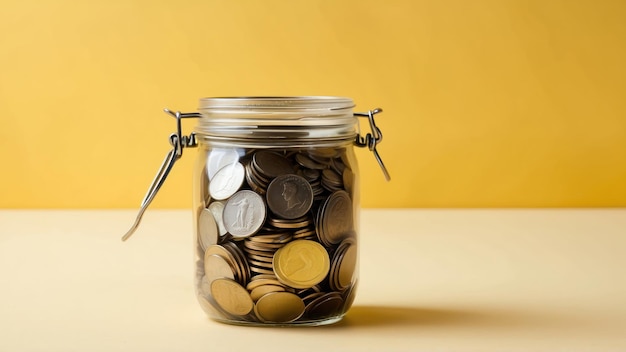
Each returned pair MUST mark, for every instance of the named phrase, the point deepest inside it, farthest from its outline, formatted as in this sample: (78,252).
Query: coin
(338,165)
(324,306)
(260,264)
(254,182)
(279,307)
(233,256)
(289,196)
(310,174)
(242,269)
(282,237)
(301,263)
(254,283)
(348,181)
(262,290)
(271,164)
(323,154)
(217,208)
(244,213)
(258,270)
(331,180)
(309,163)
(343,265)
(337,220)
(207,229)
(297,223)
(226,181)
(216,267)
(220,157)
(347,267)
(231,296)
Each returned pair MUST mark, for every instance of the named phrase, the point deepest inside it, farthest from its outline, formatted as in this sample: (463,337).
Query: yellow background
(500,103)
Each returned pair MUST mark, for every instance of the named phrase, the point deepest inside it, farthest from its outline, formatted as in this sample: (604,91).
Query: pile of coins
(276,236)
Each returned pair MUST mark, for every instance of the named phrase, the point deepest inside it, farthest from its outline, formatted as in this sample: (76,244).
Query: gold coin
(231,296)
(301,263)
(260,282)
(279,307)
(261,291)
(258,270)
(264,276)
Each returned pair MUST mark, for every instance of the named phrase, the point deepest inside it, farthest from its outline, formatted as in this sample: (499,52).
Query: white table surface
(431,280)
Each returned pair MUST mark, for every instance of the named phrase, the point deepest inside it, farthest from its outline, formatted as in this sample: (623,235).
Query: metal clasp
(178,141)
(370,140)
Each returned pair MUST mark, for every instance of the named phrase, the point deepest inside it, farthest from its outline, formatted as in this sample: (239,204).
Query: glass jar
(276,207)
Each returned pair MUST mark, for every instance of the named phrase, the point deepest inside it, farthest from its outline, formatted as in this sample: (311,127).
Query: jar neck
(279,121)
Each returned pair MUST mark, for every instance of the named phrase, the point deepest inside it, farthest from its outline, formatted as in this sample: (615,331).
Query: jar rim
(277,102)
(276,119)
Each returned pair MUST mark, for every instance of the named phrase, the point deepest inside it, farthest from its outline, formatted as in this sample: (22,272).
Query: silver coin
(207,229)
(220,157)
(227,181)
(244,214)
(217,208)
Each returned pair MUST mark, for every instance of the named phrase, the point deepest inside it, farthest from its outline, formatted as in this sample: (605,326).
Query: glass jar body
(276,231)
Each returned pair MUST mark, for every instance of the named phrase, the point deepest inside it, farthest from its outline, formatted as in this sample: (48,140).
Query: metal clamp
(371,140)
(178,141)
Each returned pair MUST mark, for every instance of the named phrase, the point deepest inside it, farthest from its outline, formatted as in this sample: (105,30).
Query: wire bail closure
(371,140)
(178,141)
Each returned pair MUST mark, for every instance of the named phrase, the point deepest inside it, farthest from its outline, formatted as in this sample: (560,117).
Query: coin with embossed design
(301,263)
(289,196)
(244,213)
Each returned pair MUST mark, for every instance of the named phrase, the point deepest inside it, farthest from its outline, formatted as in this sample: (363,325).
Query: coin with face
(227,181)
(289,196)
(244,214)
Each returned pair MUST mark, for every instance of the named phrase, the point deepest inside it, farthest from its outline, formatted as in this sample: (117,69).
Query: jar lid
(282,119)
